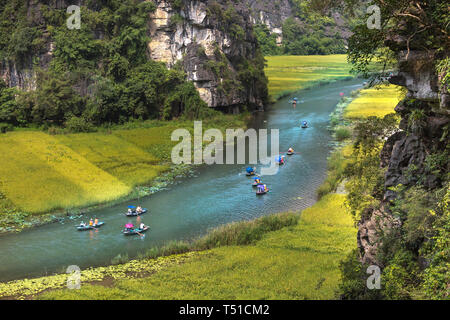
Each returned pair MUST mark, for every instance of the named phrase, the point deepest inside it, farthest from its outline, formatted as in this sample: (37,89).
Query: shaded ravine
(217,195)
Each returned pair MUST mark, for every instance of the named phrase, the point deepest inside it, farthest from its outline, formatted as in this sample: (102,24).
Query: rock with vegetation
(214,43)
(401,227)
(129,60)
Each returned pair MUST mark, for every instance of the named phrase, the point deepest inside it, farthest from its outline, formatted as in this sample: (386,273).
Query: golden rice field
(291,73)
(118,157)
(296,262)
(377,101)
(40,173)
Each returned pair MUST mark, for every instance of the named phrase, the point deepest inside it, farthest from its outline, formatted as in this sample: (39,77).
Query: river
(216,195)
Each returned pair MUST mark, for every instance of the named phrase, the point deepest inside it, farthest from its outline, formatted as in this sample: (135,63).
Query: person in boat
(129,226)
(91,222)
(290,150)
(96,221)
(142,226)
(129,211)
(139,209)
(304,124)
(82,224)
(250,170)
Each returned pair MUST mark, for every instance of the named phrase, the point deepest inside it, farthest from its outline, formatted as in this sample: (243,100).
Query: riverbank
(68,175)
(299,261)
(377,101)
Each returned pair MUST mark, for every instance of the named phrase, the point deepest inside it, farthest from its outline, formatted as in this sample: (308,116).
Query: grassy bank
(291,73)
(377,101)
(43,175)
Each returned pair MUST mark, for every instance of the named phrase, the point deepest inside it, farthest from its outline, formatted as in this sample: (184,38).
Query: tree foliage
(98,74)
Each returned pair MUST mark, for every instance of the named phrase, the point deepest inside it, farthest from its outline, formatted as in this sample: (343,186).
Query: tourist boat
(261,189)
(134,213)
(280,160)
(130,232)
(256,181)
(250,171)
(88,227)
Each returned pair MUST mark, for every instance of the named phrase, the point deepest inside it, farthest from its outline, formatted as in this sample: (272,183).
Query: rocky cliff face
(270,13)
(406,151)
(212,49)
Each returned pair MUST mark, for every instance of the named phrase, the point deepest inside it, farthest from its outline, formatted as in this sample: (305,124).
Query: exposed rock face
(404,153)
(272,14)
(373,223)
(23,76)
(201,41)
(17,77)
(417,74)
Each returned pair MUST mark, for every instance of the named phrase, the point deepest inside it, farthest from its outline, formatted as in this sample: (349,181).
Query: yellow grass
(297,262)
(155,141)
(123,160)
(290,73)
(378,101)
(39,174)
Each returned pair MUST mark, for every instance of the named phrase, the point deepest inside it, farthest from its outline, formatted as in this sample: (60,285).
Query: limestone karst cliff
(424,117)
(214,42)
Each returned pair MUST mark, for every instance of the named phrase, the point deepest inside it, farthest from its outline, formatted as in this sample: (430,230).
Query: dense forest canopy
(98,74)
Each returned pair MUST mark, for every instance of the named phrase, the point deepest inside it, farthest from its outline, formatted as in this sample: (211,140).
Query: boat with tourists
(280,160)
(256,181)
(250,171)
(261,189)
(135,211)
(131,230)
(85,227)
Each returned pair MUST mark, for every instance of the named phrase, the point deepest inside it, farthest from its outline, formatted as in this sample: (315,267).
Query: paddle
(140,234)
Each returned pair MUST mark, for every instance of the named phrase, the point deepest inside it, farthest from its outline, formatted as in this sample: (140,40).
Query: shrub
(342,133)
(4,127)
(79,124)
(244,233)
(120,259)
